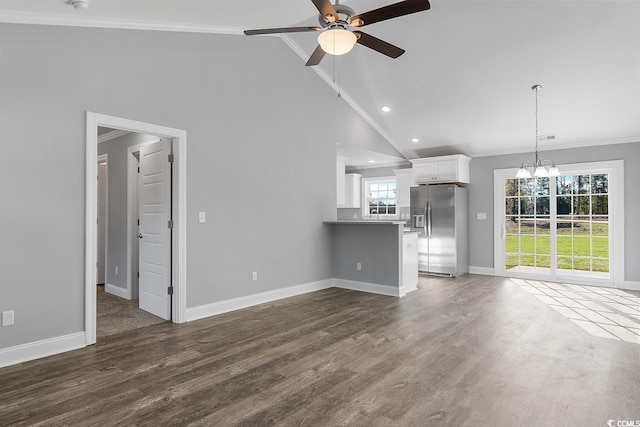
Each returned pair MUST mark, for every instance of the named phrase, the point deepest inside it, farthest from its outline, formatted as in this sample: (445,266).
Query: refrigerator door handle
(429,218)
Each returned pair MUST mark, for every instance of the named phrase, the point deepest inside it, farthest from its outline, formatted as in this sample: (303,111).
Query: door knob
(140,236)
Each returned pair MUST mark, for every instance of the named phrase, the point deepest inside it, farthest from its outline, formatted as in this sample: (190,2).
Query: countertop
(364,221)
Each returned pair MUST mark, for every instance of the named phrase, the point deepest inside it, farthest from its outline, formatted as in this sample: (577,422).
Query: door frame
(615,169)
(104,158)
(179,247)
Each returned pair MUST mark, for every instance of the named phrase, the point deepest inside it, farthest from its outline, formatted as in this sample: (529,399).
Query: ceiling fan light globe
(337,41)
(523,173)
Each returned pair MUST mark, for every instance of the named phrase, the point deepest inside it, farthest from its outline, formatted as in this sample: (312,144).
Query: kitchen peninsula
(374,256)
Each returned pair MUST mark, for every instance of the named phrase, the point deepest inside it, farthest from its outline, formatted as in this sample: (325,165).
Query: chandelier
(540,167)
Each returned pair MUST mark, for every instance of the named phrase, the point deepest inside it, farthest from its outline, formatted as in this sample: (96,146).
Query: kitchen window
(379,197)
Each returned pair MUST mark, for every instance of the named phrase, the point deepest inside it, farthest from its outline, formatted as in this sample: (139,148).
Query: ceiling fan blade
(326,9)
(281,30)
(387,12)
(316,57)
(379,45)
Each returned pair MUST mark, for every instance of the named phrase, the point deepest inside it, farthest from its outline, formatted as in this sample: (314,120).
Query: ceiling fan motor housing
(344,15)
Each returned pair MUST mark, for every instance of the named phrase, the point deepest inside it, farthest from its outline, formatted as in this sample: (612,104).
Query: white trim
(631,285)
(485,271)
(179,211)
(615,169)
(36,350)
(202,311)
(117,291)
(105,158)
(399,165)
(111,135)
(372,288)
(114,23)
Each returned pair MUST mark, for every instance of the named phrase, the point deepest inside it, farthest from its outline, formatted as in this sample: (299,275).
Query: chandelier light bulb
(523,173)
(554,171)
(541,171)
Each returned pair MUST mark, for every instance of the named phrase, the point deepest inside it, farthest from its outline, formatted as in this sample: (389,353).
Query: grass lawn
(574,250)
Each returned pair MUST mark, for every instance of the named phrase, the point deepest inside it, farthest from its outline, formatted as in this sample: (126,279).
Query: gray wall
(118,171)
(376,246)
(481,197)
(257,163)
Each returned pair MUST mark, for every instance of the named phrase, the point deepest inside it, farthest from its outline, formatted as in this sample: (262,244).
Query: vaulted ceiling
(463,86)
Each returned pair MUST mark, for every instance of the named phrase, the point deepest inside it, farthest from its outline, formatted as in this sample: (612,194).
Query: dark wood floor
(473,351)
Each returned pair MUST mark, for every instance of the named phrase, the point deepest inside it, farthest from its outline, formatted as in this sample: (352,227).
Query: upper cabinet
(352,194)
(449,169)
(347,186)
(340,181)
(404,182)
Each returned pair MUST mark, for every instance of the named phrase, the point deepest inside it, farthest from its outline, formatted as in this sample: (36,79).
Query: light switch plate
(481,215)
(7,318)
(202,217)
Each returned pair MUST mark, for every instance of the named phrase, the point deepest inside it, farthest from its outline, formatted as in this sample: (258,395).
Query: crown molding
(343,94)
(111,135)
(568,145)
(94,22)
(398,164)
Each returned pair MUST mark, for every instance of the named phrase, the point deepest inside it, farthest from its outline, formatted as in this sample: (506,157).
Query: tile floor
(602,312)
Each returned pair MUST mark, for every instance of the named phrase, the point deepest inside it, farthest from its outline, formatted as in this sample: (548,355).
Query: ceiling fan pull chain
(339,80)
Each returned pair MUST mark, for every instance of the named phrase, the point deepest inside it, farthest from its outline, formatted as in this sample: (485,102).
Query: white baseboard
(36,350)
(202,311)
(373,288)
(630,285)
(486,271)
(117,291)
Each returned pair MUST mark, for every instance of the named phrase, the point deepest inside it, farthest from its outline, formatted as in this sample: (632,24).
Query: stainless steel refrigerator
(440,214)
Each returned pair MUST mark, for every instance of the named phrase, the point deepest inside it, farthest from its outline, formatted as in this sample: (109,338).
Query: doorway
(565,228)
(174,152)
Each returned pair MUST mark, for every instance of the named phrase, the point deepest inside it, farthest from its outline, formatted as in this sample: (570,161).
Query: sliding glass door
(557,228)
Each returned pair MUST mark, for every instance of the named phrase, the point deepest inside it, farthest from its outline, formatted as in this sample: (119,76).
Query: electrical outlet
(7,318)
(481,216)
(255,276)
(359,266)
(116,269)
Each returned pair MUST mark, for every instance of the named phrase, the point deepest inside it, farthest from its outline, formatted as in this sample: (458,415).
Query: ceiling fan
(338,28)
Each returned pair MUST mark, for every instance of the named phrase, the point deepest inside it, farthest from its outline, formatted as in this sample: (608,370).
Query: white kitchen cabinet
(409,262)
(340,180)
(352,193)
(433,170)
(404,182)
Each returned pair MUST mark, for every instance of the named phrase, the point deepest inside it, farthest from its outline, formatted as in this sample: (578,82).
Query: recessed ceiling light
(415,140)
(372,161)
(385,108)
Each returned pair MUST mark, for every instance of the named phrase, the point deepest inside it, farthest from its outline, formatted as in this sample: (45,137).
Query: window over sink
(379,197)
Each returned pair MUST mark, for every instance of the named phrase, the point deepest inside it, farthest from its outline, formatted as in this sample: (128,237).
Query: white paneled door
(155,228)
